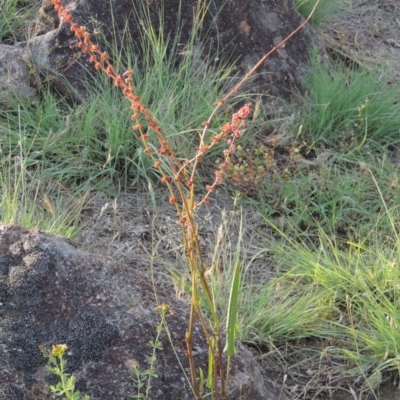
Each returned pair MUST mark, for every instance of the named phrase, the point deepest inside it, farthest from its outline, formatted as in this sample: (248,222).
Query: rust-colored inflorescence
(229,133)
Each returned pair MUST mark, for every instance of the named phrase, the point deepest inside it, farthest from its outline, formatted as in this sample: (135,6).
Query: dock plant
(179,176)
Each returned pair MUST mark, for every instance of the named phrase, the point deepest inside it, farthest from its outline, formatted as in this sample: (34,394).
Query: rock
(52,293)
(244,29)
(14,74)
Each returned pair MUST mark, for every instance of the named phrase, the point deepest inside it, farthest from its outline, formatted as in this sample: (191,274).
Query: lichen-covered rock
(237,30)
(14,74)
(53,293)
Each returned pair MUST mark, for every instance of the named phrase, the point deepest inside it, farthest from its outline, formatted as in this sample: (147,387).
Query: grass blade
(232,312)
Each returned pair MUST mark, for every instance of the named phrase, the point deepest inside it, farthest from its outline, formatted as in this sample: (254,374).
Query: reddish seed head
(210,188)
(245,111)
(236,132)
(118,81)
(202,150)
(236,119)
(218,177)
(226,128)
(109,71)
(67,16)
(127,91)
(79,32)
(224,166)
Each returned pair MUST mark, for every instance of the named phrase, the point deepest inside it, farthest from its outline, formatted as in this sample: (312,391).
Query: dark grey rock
(244,30)
(14,74)
(53,293)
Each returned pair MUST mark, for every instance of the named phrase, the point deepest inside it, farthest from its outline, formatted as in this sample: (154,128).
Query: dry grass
(130,229)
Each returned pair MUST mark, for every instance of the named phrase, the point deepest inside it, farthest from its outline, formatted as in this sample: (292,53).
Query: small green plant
(142,378)
(248,167)
(58,366)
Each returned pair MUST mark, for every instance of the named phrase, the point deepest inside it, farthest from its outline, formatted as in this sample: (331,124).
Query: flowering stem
(182,175)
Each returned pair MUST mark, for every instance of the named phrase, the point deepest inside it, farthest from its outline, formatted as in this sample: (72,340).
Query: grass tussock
(13,15)
(344,297)
(349,107)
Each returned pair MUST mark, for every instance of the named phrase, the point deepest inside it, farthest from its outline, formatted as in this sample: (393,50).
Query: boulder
(14,74)
(237,30)
(53,293)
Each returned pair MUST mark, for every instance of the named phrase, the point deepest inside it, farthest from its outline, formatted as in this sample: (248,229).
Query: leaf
(230,349)
(201,380)
(210,380)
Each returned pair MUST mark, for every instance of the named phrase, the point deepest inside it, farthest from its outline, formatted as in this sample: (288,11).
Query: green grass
(349,297)
(92,144)
(13,14)
(325,9)
(29,201)
(349,107)
(332,290)
(339,196)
